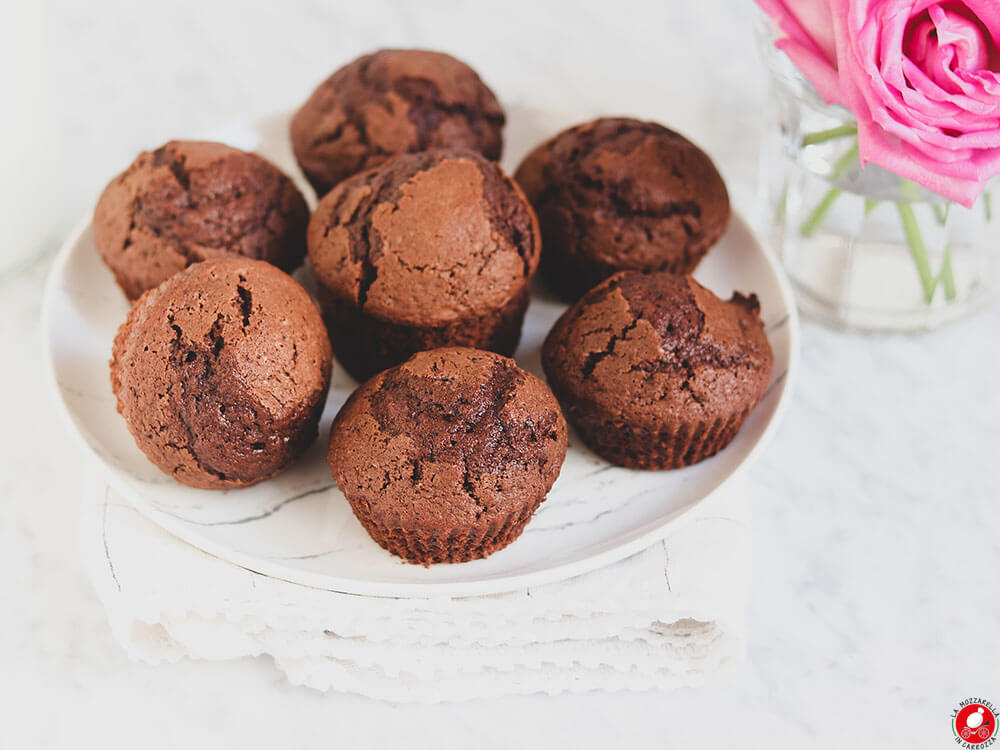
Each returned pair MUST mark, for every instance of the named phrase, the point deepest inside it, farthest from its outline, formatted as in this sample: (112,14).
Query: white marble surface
(874,607)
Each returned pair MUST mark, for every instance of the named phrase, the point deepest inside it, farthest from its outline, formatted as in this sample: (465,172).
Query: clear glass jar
(864,248)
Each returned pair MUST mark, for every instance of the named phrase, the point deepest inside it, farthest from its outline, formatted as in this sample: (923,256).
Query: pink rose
(921,76)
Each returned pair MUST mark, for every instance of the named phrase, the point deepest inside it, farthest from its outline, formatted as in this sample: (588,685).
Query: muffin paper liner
(365,345)
(456,545)
(639,446)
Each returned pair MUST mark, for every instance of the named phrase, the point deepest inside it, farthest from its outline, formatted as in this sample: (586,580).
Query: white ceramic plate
(299,527)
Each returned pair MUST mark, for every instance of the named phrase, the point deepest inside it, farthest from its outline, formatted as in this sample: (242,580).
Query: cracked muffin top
(221,372)
(657,347)
(188,201)
(450,438)
(393,102)
(426,239)
(618,194)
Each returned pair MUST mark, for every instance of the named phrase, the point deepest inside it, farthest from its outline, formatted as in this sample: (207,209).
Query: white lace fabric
(666,617)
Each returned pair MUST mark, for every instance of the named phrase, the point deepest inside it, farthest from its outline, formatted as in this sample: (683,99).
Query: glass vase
(864,248)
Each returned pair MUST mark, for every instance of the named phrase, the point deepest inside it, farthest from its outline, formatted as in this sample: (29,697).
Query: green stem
(819,213)
(987,207)
(821,136)
(947,276)
(941,214)
(812,223)
(782,203)
(849,157)
(870,205)
(910,190)
(918,250)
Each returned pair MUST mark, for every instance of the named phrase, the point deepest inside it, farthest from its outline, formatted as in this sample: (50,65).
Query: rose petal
(964,36)
(806,22)
(847,64)
(876,148)
(988,14)
(921,43)
(814,17)
(925,96)
(987,80)
(813,55)
(816,70)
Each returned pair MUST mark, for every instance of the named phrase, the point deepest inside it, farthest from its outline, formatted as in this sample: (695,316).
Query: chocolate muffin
(618,194)
(189,201)
(655,371)
(221,373)
(389,103)
(445,457)
(431,249)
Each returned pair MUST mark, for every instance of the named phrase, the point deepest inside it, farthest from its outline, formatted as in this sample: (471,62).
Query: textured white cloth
(663,618)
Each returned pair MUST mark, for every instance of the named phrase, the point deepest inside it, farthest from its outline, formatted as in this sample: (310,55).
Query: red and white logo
(975,723)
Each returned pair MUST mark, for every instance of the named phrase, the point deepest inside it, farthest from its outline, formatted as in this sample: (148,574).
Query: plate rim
(417,590)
